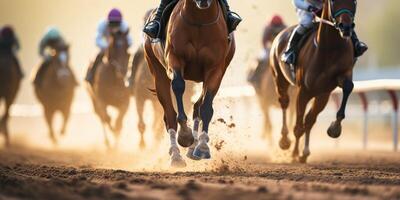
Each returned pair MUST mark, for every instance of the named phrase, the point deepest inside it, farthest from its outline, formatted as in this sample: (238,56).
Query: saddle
(290,76)
(305,38)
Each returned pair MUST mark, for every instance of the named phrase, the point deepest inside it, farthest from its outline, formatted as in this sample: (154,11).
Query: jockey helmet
(7,32)
(115,16)
(276,20)
(53,33)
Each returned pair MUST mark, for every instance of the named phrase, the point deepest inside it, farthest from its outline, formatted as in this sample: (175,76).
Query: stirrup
(149,24)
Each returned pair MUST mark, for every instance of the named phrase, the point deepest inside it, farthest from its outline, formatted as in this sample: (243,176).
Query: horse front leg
(4,123)
(163,86)
(185,137)
(335,128)
(301,104)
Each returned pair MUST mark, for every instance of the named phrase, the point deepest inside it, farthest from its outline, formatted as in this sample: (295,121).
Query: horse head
(203,4)
(117,53)
(60,59)
(342,14)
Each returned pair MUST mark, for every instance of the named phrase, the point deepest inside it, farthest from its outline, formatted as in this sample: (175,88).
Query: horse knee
(284,101)
(178,83)
(309,122)
(298,131)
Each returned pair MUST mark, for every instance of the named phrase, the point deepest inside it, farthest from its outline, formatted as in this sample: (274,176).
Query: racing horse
(56,90)
(10,81)
(109,88)
(325,62)
(196,48)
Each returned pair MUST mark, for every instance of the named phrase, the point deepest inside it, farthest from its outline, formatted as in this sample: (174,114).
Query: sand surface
(40,174)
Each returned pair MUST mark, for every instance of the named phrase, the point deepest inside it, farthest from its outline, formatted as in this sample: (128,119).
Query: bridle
(335,14)
(201,24)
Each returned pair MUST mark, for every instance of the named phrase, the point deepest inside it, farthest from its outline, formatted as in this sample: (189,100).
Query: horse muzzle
(346,30)
(203,4)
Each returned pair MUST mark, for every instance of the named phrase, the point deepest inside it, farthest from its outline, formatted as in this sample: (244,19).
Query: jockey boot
(233,19)
(41,71)
(92,70)
(152,28)
(359,47)
(289,57)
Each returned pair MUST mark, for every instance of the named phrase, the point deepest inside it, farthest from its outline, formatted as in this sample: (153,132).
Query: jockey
(52,39)
(9,42)
(113,22)
(305,10)
(275,26)
(152,28)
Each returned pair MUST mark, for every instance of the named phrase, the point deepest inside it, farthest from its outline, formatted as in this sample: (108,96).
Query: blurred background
(376,21)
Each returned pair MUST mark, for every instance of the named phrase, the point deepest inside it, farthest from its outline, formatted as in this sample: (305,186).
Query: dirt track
(39,174)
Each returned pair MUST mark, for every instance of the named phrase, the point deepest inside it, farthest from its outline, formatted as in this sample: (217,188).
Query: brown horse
(109,88)
(197,48)
(264,87)
(56,90)
(142,81)
(325,62)
(9,84)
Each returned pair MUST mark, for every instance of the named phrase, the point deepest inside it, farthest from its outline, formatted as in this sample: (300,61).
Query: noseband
(201,24)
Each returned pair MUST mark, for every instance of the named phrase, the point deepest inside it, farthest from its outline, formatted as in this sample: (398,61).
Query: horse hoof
(284,143)
(334,130)
(185,137)
(303,159)
(177,161)
(190,151)
(202,151)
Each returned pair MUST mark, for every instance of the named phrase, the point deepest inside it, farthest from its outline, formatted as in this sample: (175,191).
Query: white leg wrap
(172,137)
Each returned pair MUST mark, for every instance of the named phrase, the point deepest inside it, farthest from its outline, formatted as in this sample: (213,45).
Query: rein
(201,24)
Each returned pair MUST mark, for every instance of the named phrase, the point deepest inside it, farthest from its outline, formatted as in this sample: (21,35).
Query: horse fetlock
(142,127)
(177,161)
(202,151)
(190,151)
(284,143)
(174,150)
(335,129)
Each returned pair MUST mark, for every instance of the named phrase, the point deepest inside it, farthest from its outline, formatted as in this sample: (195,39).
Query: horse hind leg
(66,115)
(4,123)
(284,100)
(318,105)
(141,124)
(302,101)
(185,137)
(48,114)
(335,128)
